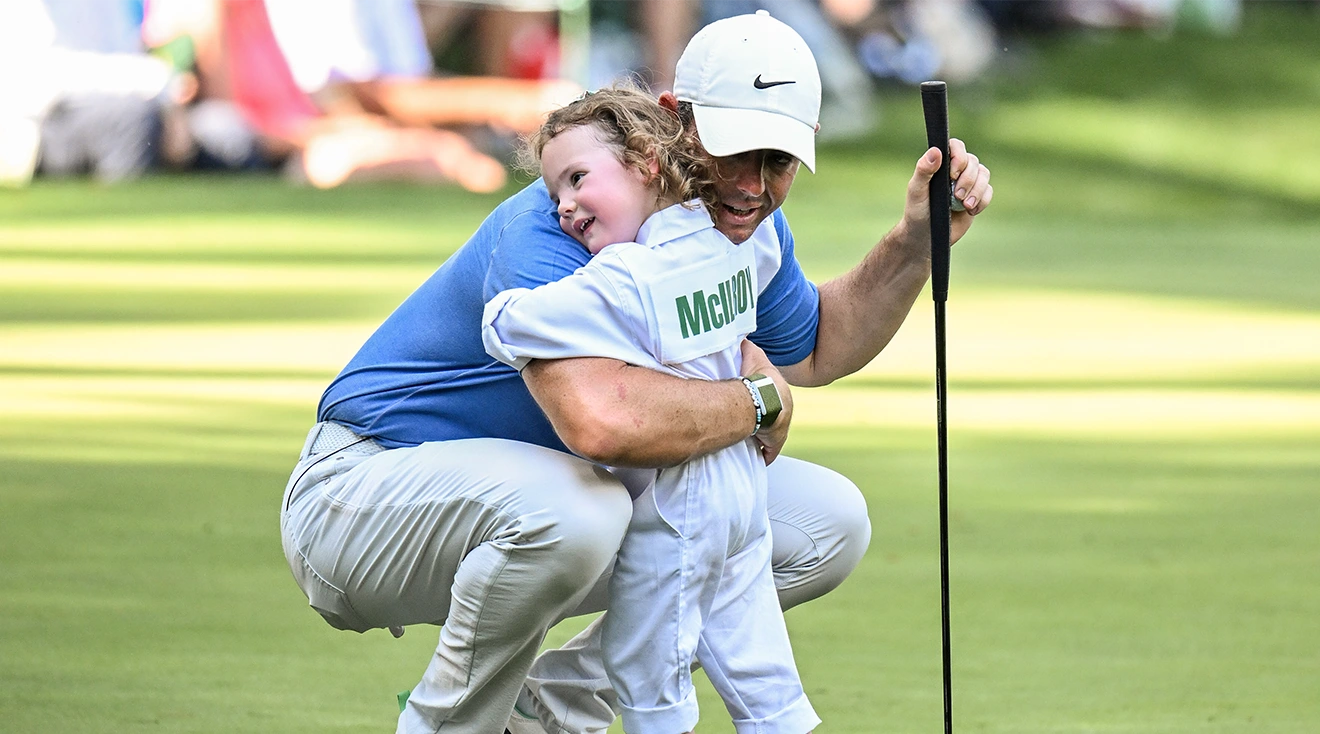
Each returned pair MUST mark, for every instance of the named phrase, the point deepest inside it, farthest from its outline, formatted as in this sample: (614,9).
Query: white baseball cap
(753,84)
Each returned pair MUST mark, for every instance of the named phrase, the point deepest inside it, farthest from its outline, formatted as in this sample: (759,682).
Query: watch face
(770,398)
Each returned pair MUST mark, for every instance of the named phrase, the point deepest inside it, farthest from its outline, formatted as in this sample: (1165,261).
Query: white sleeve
(586,314)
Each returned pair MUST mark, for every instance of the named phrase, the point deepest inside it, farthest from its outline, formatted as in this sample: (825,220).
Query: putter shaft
(935,104)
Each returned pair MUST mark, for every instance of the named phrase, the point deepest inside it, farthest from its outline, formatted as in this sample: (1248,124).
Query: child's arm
(582,315)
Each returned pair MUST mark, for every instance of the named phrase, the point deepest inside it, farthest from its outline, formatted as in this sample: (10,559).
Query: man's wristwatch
(765,395)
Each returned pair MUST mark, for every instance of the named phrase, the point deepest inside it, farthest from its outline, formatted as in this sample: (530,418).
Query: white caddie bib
(703,308)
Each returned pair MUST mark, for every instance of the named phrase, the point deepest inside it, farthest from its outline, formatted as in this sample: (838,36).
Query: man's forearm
(861,310)
(621,415)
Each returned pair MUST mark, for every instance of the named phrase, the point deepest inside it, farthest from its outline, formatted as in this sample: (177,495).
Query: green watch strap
(770,401)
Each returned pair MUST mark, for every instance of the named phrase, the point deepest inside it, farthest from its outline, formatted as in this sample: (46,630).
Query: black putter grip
(935,103)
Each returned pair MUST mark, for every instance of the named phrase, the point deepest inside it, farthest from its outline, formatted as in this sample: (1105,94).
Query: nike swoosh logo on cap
(766,85)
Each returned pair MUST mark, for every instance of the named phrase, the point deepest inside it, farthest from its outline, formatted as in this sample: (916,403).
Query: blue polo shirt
(425,376)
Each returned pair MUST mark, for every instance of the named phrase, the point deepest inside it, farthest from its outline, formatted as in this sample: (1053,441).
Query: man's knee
(844,531)
(854,535)
(588,526)
(821,529)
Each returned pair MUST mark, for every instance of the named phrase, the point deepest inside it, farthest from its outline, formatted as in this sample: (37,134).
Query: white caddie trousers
(819,533)
(693,581)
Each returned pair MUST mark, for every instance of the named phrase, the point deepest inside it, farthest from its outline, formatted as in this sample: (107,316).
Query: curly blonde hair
(640,130)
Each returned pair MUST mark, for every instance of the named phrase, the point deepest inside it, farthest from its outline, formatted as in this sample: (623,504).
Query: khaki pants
(495,540)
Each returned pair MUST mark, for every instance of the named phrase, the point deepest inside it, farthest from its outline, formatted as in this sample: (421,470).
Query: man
(440,488)
(759,140)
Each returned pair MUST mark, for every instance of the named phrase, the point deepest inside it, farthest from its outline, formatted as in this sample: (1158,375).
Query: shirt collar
(674,222)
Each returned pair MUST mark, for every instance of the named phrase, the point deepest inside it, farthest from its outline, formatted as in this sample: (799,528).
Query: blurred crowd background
(330,91)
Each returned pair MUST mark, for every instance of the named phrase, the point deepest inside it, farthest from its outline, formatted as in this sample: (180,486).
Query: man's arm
(861,310)
(618,414)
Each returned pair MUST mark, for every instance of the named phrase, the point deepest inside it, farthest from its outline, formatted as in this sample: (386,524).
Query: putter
(935,103)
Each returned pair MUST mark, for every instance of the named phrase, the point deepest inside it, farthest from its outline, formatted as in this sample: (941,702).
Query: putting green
(1134,374)
(1049,363)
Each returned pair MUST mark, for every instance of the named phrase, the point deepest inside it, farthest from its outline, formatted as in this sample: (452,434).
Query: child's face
(601,201)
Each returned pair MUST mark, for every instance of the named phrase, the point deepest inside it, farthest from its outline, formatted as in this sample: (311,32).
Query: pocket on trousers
(672,503)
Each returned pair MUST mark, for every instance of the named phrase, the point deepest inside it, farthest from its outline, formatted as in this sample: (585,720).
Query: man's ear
(669,102)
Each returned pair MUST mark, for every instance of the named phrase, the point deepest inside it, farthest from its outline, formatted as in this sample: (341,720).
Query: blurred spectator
(80,93)
(502,38)
(241,67)
(644,37)
(529,38)
(372,56)
(91,100)
(915,40)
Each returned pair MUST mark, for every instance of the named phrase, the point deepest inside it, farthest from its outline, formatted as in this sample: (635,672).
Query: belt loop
(312,435)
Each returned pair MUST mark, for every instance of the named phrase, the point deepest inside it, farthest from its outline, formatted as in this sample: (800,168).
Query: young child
(665,290)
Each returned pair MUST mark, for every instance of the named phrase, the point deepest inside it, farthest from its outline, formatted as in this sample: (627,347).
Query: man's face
(750,186)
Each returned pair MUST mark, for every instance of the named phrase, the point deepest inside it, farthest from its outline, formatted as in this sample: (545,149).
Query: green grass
(1134,416)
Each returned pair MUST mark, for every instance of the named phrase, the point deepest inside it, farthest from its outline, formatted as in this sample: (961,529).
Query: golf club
(935,103)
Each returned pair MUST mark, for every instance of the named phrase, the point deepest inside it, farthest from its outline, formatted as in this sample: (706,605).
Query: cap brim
(730,131)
